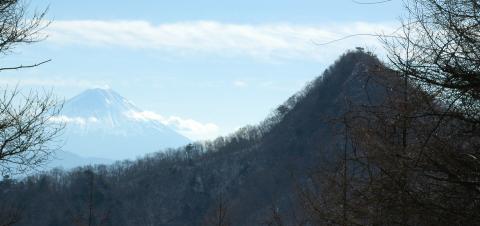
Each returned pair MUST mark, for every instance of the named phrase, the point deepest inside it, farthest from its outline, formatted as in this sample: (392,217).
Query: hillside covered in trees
(366,143)
(252,175)
(305,164)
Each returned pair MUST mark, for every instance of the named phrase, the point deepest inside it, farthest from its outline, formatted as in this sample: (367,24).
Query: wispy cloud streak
(188,127)
(267,41)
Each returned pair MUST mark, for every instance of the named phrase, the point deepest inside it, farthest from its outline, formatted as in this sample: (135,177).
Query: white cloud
(240,83)
(266,41)
(188,127)
(74,120)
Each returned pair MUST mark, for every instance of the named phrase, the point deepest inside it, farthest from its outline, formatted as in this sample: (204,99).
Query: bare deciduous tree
(27,130)
(219,215)
(438,47)
(416,153)
(19,26)
(26,125)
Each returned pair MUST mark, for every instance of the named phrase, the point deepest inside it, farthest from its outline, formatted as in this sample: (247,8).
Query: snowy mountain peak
(101,123)
(98,103)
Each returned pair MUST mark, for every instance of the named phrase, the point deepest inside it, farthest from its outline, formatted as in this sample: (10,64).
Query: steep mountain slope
(253,172)
(102,124)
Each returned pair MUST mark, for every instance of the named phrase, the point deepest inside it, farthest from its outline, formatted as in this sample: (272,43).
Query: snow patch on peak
(104,104)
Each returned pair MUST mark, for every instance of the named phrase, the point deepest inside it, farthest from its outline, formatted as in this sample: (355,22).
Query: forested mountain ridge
(254,173)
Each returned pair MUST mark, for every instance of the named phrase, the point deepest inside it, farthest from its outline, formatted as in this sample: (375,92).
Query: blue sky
(220,63)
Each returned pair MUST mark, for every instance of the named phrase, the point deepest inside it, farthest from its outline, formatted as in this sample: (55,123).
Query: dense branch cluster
(27,130)
(413,158)
(440,48)
(17,26)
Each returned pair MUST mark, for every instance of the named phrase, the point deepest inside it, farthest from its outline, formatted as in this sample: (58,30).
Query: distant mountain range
(69,160)
(101,124)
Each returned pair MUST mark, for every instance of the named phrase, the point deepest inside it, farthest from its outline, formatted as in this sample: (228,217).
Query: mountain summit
(101,123)
(99,103)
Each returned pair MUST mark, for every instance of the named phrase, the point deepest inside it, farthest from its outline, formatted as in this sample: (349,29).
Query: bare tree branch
(24,66)
(371,3)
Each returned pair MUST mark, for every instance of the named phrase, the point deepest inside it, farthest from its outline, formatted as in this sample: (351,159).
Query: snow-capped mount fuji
(101,123)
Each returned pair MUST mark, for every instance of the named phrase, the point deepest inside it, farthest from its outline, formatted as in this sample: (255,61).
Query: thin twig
(371,3)
(25,66)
